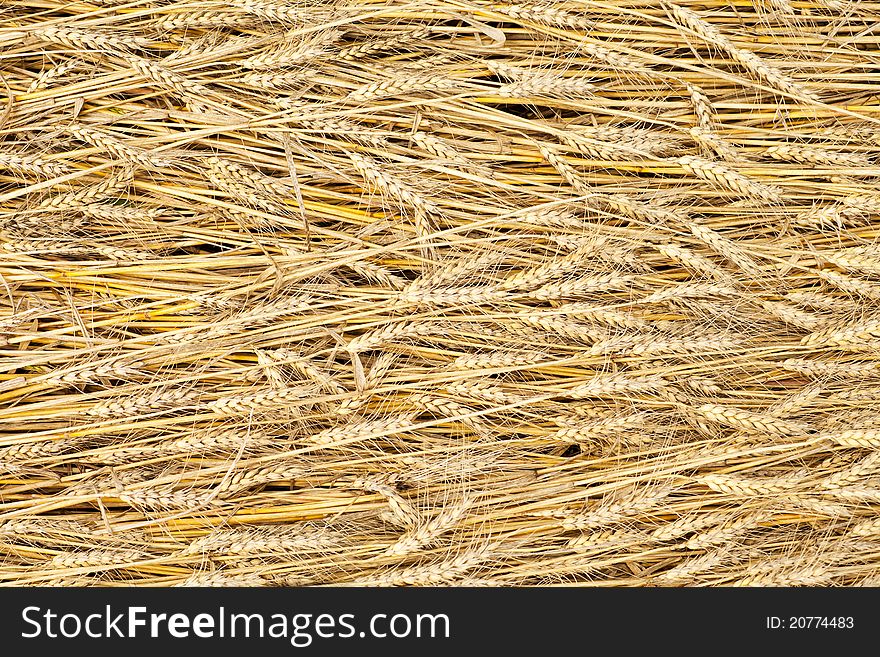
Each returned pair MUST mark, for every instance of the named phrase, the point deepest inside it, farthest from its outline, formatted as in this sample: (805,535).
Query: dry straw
(439,293)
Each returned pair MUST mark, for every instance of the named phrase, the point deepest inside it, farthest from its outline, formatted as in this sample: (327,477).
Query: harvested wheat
(439,293)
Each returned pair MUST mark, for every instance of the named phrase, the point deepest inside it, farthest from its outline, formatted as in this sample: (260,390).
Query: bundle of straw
(439,292)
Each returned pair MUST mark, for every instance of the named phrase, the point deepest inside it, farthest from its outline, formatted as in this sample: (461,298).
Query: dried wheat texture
(439,292)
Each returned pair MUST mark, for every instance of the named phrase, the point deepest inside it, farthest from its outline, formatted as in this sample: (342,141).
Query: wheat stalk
(414,294)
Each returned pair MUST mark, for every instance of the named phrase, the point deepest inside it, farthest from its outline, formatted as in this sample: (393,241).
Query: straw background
(439,292)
